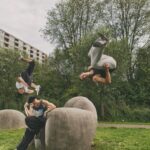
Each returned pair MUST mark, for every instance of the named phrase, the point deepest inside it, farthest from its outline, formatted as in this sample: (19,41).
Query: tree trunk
(102,110)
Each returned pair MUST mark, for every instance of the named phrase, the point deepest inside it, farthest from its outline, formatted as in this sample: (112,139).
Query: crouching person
(35,110)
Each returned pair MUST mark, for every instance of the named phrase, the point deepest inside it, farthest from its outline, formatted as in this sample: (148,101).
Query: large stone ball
(82,103)
(72,127)
(11,119)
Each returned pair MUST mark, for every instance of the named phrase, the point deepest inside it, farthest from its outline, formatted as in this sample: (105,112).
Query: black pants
(102,72)
(27,73)
(34,125)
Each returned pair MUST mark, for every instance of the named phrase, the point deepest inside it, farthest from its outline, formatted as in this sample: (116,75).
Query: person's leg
(27,73)
(35,123)
(30,67)
(36,87)
(95,54)
(97,50)
(27,138)
(33,85)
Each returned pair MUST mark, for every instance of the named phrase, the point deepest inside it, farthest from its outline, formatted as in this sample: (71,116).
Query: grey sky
(24,19)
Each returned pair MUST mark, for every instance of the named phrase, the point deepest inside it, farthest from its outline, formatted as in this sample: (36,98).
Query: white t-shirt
(37,113)
(105,59)
(20,85)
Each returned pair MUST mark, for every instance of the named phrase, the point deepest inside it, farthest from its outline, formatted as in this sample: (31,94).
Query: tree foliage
(74,26)
(128,20)
(9,69)
(70,20)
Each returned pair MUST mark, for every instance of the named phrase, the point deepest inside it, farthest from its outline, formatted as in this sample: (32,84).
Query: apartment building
(9,41)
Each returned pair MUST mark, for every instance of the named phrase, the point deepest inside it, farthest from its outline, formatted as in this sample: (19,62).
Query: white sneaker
(37,89)
(102,42)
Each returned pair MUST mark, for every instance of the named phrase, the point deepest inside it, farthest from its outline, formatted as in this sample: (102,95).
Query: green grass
(106,139)
(10,138)
(122,139)
(136,123)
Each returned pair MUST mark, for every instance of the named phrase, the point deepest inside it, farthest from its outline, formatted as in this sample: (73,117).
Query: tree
(128,20)
(142,75)
(70,20)
(74,25)
(9,69)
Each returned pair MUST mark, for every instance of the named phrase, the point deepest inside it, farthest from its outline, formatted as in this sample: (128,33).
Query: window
(24,48)
(6,39)
(37,54)
(31,51)
(31,55)
(6,44)
(6,34)
(16,44)
(16,40)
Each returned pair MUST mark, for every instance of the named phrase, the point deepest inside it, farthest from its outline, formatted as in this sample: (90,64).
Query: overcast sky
(24,19)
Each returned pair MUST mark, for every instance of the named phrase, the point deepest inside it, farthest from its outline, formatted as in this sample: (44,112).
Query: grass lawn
(122,139)
(10,138)
(106,139)
(130,123)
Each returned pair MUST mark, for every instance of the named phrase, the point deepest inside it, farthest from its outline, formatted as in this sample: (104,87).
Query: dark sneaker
(99,43)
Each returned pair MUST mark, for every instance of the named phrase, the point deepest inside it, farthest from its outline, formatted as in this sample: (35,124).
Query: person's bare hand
(106,66)
(83,75)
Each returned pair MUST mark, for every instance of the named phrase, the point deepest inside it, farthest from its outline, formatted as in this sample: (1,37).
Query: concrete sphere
(11,119)
(71,127)
(82,103)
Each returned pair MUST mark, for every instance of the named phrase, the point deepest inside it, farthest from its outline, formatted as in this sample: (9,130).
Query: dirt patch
(105,125)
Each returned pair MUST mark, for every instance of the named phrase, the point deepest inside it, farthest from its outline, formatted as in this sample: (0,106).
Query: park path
(113,125)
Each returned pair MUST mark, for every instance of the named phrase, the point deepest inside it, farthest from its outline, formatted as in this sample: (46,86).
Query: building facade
(9,41)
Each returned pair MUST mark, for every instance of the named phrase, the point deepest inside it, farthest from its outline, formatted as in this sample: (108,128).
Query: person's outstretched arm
(49,105)
(87,74)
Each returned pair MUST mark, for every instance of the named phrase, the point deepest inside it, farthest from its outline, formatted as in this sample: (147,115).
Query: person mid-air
(101,65)
(24,82)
